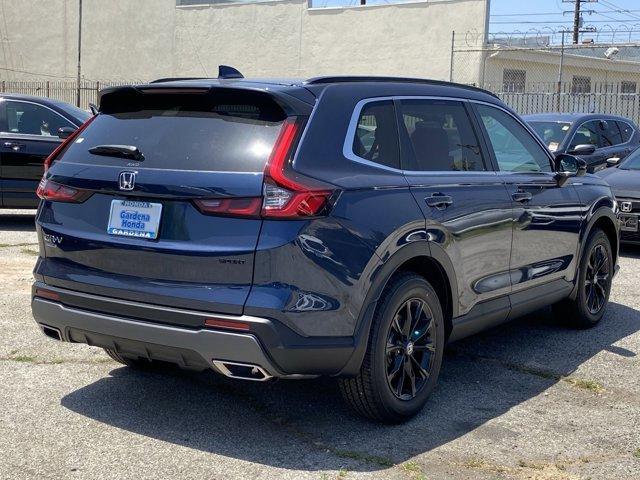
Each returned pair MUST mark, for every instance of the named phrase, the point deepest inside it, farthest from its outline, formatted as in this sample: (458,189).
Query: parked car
(624,179)
(342,226)
(594,138)
(30,129)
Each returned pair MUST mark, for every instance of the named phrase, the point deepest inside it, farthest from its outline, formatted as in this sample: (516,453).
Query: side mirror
(93,108)
(568,166)
(65,132)
(613,161)
(584,149)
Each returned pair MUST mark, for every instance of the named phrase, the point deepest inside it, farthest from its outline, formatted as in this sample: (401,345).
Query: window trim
(4,101)
(347,150)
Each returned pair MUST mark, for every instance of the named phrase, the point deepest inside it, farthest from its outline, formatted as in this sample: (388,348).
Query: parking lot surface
(529,400)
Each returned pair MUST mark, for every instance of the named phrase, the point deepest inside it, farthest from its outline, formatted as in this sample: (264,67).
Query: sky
(519,15)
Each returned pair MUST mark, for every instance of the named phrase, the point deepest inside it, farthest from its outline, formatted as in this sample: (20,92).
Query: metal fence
(65,90)
(534,75)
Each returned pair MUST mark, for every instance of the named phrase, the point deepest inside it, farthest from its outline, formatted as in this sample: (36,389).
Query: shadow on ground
(17,222)
(304,424)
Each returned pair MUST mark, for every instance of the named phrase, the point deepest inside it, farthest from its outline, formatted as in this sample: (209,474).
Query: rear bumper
(188,346)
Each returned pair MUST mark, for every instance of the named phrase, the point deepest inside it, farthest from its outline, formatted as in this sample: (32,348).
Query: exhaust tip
(242,371)
(51,332)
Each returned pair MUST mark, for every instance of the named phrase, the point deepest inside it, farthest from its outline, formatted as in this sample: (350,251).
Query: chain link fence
(535,75)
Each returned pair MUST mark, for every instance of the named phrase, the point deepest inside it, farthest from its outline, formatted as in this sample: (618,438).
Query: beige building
(145,39)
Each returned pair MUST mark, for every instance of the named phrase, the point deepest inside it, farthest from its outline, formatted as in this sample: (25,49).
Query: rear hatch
(159,199)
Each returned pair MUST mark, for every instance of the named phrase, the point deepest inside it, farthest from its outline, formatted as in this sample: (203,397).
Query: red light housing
(227,324)
(49,160)
(284,195)
(56,192)
(233,207)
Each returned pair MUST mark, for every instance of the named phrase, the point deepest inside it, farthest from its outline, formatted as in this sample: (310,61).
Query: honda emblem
(625,206)
(127,181)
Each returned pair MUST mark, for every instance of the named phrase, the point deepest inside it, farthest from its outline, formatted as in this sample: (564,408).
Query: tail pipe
(51,332)
(242,371)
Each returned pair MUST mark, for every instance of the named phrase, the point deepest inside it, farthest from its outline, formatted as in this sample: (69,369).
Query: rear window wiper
(124,151)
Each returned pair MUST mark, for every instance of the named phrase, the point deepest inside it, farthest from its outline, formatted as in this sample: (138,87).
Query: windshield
(632,162)
(551,133)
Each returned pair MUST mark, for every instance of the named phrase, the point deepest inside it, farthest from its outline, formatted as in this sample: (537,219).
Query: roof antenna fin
(225,71)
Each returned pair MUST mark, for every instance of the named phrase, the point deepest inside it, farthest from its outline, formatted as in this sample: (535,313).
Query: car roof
(570,117)
(316,84)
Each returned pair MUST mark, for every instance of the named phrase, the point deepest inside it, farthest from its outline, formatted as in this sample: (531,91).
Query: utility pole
(576,21)
(79,52)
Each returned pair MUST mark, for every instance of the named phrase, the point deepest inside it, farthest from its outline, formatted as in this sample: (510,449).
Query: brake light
(49,160)
(56,192)
(284,195)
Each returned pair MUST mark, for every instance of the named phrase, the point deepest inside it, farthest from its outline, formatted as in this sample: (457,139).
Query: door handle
(522,197)
(439,200)
(15,146)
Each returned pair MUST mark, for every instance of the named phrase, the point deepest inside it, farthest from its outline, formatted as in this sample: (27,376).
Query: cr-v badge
(127,180)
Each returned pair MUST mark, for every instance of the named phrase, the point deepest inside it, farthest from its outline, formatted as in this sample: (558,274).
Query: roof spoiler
(225,72)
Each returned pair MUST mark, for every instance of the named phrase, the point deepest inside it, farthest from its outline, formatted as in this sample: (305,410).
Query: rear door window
(609,134)
(626,131)
(440,137)
(224,132)
(376,134)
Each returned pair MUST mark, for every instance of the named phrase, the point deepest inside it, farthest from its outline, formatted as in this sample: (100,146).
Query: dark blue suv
(340,226)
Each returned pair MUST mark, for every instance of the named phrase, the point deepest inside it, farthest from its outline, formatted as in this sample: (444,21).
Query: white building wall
(145,39)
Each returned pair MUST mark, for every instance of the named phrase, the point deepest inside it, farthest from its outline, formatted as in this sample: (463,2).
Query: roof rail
(176,79)
(353,79)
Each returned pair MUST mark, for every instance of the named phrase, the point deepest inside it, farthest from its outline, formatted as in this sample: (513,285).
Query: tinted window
(626,131)
(609,134)
(440,137)
(32,119)
(376,136)
(586,134)
(206,132)
(516,150)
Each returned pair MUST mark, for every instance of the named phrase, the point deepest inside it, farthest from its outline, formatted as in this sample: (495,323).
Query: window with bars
(580,84)
(514,81)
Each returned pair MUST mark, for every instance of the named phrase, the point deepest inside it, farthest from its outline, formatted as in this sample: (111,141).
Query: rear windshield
(224,132)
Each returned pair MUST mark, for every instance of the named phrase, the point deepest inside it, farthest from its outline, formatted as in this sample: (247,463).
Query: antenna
(225,71)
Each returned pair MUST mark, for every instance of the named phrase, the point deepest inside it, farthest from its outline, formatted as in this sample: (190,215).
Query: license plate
(134,219)
(629,223)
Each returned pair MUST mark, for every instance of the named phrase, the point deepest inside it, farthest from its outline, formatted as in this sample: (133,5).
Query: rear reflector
(56,192)
(47,294)
(227,324)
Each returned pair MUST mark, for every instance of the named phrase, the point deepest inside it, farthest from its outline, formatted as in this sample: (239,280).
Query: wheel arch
(423,258)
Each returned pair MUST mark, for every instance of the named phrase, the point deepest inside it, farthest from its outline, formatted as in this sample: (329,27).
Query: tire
(376,393)
(587,309)
(137,363)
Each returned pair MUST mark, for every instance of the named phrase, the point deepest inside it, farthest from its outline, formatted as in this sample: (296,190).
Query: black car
(340,226)
(600,140)
(30,130)
(624,179)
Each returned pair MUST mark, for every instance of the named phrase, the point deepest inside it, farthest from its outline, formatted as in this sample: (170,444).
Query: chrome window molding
(347,148)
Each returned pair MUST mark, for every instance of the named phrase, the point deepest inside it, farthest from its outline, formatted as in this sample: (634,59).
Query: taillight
(56,192)
(235,207)
(49,160)
(284,195)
